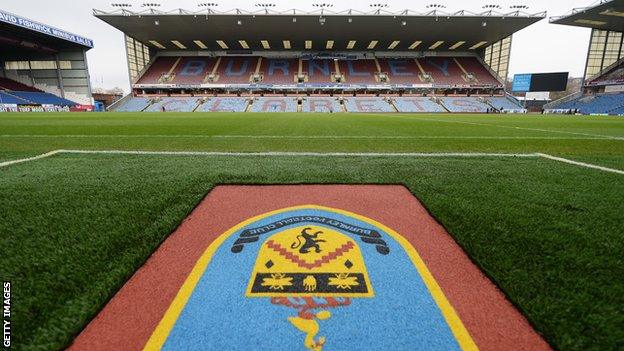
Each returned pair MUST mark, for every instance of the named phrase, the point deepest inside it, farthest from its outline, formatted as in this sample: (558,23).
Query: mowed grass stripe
(78,227)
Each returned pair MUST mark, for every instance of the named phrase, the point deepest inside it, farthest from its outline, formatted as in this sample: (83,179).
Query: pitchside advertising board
(10,18)
(540,82)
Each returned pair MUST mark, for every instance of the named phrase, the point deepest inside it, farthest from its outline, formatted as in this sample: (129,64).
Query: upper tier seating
(9,84)
(40,98)
(321,104)
(598,104)
(161,66)
(279,71)
(358,71)
(504,103)
(451,71)
(482,75)
(134,104)
(417,104)
(174,104)
(319,71)
(274,104)
(443,70)
(464,104)
(236,70)
(224,104)
(401,71)
(192,70)
(368,104)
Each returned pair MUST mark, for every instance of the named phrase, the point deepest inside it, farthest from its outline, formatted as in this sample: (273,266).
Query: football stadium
(321,179)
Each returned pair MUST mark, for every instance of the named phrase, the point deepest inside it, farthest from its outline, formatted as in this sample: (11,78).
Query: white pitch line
(316,154)
(288,154)
(38,157)
(581,164)
(311,137)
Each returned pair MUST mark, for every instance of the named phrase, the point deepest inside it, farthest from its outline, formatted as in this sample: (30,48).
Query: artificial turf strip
(549,234)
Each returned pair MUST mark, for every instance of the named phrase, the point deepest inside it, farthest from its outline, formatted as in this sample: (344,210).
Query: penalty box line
(315,154)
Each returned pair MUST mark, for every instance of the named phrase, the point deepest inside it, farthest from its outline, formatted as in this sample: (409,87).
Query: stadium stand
(161,67)
(278,71)
(236,70)
(503,103)
(41,98)
(224,104)
(134,104)
(596,104)
(274,104)
(358,71)
(174,104)
(7,98)
(464,104)
(9,84)
(192,70)
(321,104)
(368,104)
(400,71)
(417,104)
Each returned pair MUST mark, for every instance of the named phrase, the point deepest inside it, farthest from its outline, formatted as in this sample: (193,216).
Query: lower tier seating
(224,104)
(368,104)
(6,98)
(274,104)
(174,104)
(41,98)
(597,104)
(321,104)
(417,104)
(504,103)
(134,104)
(464,104)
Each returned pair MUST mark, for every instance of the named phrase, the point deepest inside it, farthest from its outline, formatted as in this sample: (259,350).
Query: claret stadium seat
(368,104)
(401,71)
(161,66)
(274,104)
(358,71)
(279,71)
(321,104)
(236,70)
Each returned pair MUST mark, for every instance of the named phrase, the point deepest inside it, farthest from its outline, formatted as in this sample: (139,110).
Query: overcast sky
(541,47)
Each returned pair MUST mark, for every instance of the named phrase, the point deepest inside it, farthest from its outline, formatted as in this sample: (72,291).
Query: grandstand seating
(41,98)
(192,70)
(7,98)
(417,104)
(161,65)
(464,104)
(9,84)
(279,71)
(319,71)
(236,70)
(443,70)
(358,71)
(401,71)
(224,104)
(321,104)
(134,104)
(274,104)
(368,104)
(598,104)
(174,104)
(503,103)
(483,76)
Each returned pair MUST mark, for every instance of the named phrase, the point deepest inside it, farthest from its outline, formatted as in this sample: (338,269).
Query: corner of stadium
(326,179)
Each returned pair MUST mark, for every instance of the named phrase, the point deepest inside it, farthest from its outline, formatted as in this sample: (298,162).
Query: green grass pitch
(550,235)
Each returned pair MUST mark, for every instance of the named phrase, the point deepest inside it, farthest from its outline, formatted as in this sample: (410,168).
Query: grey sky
(540,48)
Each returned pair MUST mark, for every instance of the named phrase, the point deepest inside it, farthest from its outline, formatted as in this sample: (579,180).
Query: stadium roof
(20,32)
(605,15)
(321,30)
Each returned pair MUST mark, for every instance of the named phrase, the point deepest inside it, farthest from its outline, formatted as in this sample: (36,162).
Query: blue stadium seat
(41,98)
(417,104)
(368,104)
(174,104)
(274,104)
(464,104)
(224,104)
(135,104)
(503,103)
(321,104)
(10,99)
(598,104)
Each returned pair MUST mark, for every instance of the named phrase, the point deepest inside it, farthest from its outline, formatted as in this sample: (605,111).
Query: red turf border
(130,317)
